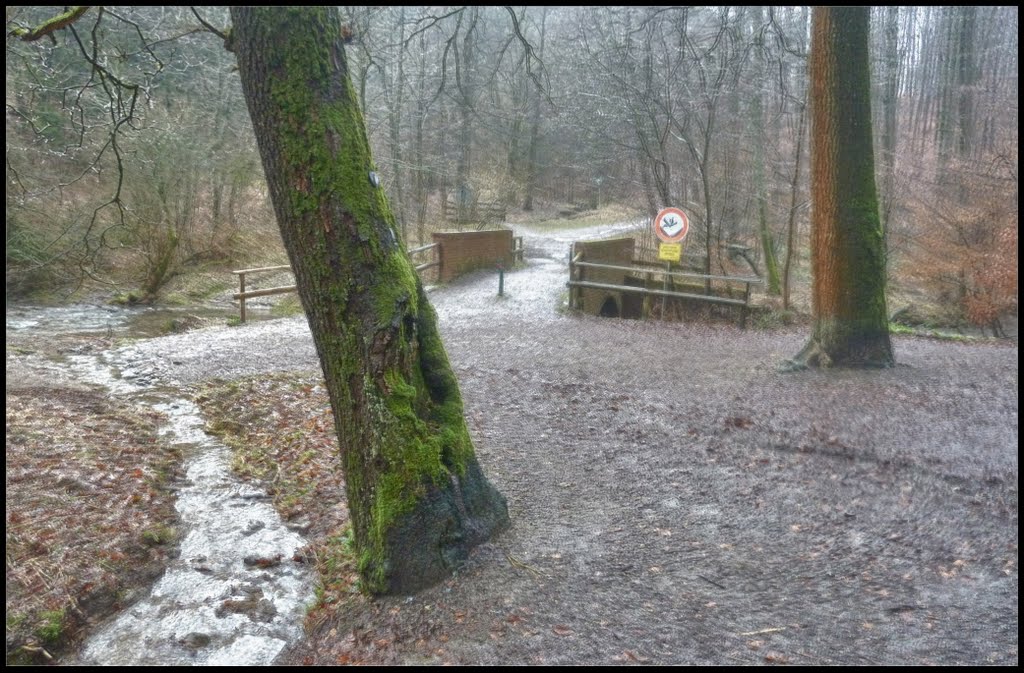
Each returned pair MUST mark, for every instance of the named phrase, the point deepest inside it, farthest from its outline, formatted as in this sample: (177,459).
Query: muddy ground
(676,500)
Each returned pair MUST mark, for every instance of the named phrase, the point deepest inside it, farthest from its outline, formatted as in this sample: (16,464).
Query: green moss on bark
(407,453)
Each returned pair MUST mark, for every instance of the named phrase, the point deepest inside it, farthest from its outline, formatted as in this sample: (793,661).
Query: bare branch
(142,38)
(222,34)
(433,21)
(50,26)
(530,55)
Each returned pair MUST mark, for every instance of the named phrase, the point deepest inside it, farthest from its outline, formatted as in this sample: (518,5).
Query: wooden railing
(490,211)
(242,295)
(577,283)
(518,251)
(427,248)
(480,212)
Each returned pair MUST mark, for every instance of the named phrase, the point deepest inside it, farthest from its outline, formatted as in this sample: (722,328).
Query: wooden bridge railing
(577,283)
(427,248)
(242,294)
(518,251)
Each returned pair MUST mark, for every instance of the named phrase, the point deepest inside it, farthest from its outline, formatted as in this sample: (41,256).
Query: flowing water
(123,321)
(234,595)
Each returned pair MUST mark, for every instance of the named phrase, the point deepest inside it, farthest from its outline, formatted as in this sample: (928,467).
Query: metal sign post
(671,225)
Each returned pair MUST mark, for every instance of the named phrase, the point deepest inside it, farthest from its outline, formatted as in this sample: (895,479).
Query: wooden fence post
(746,308)
(241,291)
(645,311)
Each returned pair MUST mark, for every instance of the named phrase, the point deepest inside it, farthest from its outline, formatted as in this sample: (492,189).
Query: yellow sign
(670,252)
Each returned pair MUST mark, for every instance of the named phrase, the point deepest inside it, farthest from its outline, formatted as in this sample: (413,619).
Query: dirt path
(700,508)
(676,501)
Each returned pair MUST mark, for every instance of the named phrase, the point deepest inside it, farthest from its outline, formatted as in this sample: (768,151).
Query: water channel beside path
(234,595)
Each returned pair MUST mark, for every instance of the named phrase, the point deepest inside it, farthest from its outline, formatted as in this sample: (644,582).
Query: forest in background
(131,158)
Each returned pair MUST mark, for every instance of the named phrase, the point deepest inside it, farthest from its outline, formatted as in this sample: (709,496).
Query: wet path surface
(534,294)
(234,596)
(675,500)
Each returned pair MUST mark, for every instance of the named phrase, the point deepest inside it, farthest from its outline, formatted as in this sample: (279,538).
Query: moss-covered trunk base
(429,543)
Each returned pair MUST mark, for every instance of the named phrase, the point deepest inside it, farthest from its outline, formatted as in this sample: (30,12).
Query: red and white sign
(671,225)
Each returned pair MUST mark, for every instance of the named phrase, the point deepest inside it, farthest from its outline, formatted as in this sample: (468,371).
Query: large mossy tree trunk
(851,325)
(417,496)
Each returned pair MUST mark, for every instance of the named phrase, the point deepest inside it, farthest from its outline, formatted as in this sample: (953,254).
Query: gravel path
(675,500)
(532,295)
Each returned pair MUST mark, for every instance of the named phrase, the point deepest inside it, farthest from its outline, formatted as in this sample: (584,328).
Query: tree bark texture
(771,260)
(967,79)
(890,100)
(465,79)
(848,253)
(794,204)
(531,161)
(417,496)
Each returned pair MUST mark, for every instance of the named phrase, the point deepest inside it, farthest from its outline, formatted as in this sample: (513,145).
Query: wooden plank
(421,267)
(264,293)
(687,274)
(422,248)
(264,268)
(518,252)
(655,293)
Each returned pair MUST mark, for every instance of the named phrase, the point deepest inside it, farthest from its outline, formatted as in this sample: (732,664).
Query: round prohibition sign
(671,225)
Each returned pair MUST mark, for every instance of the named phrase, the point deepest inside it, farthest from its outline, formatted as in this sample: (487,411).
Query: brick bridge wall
(615,251)
(464,251)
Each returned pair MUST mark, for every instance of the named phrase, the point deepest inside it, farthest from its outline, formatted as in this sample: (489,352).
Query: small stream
(126,321)
(233,596)
(215,604)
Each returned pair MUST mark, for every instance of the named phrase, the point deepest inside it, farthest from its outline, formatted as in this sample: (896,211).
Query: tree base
(432,541)
(811,355)
(863,356)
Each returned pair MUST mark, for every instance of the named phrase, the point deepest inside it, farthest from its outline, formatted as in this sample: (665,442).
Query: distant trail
(532,294)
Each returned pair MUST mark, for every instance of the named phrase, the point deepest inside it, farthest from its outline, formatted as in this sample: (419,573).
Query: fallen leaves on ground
(281,431)
(89,511)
